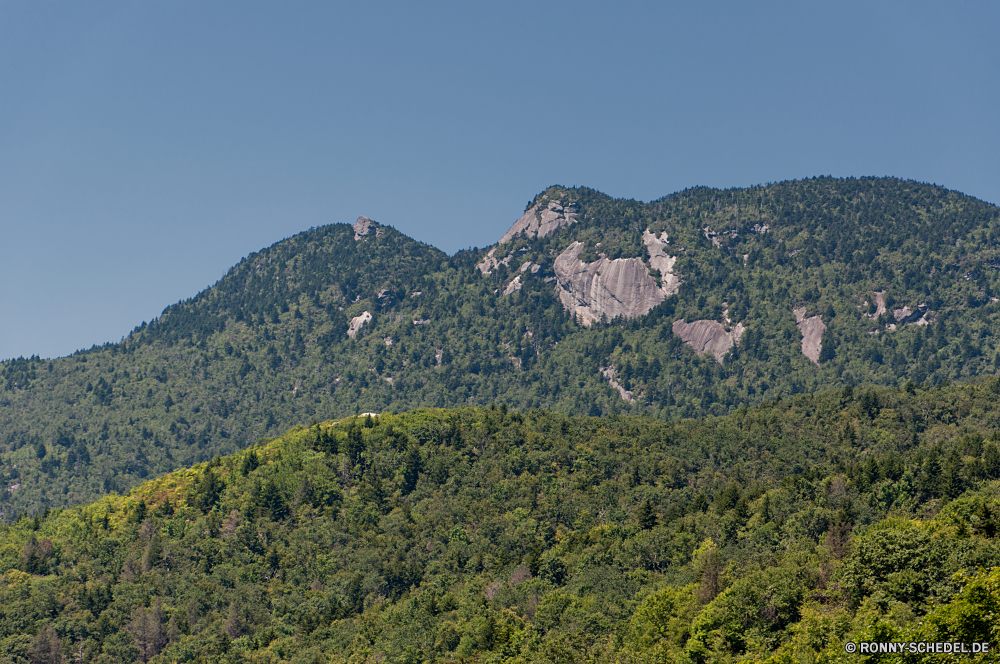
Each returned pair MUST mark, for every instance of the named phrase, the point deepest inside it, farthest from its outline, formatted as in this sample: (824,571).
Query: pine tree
(647,517)
(411,473)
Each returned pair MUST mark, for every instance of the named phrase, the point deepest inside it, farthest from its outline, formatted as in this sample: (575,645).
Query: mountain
(779,533)
(692,305)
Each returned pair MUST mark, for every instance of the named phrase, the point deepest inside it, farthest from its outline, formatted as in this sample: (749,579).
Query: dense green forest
(267,346)
(776,533)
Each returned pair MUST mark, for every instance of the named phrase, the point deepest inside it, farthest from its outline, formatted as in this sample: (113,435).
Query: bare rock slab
(660,260)
(362,227)
(357,323)
(611,288)
(540,221)
(812,329)
(708,336)
(611,374)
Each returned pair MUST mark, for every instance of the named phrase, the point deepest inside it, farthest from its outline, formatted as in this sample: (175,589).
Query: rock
(611,374)
(812,333)
(540,221)
(611,288)
(357,322)
(879,305)
(708,336)
(660,260)
(908,315)
(514,285)
(491,263)
(362,227)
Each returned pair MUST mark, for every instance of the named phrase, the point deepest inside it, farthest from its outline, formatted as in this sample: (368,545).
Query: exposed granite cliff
(540,221)
(611,288)
(812,333)
(362,227)
(708,336)
(358,322)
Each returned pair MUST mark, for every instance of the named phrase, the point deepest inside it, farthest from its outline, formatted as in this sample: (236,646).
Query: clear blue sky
(145,147)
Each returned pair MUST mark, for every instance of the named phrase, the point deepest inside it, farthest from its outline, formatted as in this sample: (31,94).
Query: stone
(540,221)
(514,285)
(611,374)
(357,323)
(609,288)
(812,329)
(362,227)
(708,336)
(660,260)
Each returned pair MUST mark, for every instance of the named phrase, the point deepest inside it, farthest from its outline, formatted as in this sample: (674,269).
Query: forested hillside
(776,533)
(729,298)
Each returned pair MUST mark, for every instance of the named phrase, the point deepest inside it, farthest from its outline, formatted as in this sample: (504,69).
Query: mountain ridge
(755,277)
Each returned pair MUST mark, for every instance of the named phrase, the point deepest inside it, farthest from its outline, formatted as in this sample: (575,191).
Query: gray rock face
(540,221)
(708,336)
(514,285)
(611,288)
(611,374)
(491,262)
(879,305)
(660,260)
(362,227)
(812,333)
(908,315)
(357,323)
(620,287)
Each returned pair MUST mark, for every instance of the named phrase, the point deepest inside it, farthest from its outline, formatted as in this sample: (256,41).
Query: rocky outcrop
(908,315)
(528,265)
(879,305)
(540,221)
(812,333)
(357,323)
(514,285)
(610,288)
(660,260)
(708,336)
(611,374)
(362,227)
(490,262)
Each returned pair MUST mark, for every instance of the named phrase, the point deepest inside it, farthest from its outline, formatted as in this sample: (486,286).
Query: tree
(45,648)
(647,517)
(411,472)
(233,625)
(207,491)
(146,627)
(273,500)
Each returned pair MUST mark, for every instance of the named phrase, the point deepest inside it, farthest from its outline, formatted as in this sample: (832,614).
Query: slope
(490,535)
(694,304)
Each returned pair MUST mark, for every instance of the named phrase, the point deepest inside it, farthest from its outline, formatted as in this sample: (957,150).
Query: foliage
(267,346)
(497,535)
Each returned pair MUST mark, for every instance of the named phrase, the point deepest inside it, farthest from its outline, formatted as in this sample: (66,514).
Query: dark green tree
(646,516)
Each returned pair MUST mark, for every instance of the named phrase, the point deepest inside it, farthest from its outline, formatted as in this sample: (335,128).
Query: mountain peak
(363,226)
